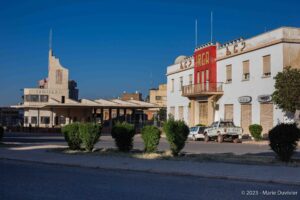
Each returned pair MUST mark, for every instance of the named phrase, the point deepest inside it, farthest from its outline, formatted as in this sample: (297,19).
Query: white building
(179,74)
(245,71)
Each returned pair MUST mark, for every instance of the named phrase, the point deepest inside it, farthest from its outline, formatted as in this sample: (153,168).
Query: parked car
(223,131)
(196,133)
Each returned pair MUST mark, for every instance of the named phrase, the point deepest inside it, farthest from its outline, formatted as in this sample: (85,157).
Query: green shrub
(123,134)
(150,136)
(255,131)
(89,134)
(283,140)
(72,136)
(1,132)
(176,133)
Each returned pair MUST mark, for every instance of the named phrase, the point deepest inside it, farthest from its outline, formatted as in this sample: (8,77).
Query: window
(158,98)
(180,112)
(207,75)
(228,73)
(198,77)
(26,120)
(267,66)
(32,98)
(44,98)
(172,85)
(33,120)
(62,120)
(45,120)
(190,79)
(59,76)
(180,83)
(246,72)
(172,111)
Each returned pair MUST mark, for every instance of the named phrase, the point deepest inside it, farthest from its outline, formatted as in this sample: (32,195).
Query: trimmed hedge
(255,131)
(176,132)
(123,134)
(89,135)
(72,136)
(151,137)
(1,132)
(283,140)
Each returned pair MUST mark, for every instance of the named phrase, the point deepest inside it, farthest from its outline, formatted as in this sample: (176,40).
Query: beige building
(54,103)
(157,96)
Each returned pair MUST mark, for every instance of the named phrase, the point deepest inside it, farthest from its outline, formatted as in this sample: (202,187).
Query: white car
(223,130)
(196,133)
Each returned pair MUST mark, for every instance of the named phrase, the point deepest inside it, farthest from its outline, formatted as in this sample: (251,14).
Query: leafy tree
(287,90)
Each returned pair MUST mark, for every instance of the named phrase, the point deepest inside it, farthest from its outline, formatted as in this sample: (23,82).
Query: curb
(245,179)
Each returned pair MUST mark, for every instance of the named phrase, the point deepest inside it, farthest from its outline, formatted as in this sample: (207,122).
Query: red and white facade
(234,81)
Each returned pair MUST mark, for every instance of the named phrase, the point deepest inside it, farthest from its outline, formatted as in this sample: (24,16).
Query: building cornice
(279,41)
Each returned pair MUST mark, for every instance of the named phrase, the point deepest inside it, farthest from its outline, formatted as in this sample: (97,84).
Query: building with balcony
(179,74)
(234,81)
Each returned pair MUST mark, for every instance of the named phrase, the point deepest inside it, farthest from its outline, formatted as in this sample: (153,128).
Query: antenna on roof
(50,39)
(211,26)
(196,33)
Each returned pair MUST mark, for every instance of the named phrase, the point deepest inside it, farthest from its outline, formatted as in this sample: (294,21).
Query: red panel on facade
(205,69)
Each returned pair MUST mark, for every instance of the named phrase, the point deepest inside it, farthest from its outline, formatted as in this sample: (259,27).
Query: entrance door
(266,117)
(246,116)
(203,112)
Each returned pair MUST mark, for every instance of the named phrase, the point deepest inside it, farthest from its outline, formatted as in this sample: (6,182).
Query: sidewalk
(256,173)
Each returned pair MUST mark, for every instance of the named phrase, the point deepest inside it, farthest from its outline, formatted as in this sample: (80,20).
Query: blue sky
(114,46)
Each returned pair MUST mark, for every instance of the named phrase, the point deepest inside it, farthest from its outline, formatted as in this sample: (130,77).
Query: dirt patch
(166,155)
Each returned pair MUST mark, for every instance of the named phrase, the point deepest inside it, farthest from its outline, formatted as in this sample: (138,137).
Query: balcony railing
(202,89)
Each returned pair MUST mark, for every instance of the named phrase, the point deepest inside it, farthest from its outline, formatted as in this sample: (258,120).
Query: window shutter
(228,72)
(267,64)
(246,67)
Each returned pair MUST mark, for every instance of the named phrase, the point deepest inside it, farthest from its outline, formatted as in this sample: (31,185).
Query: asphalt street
(22,180)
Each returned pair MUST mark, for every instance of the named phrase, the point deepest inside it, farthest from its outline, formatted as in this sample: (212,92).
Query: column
(102,116)
(38,118)
(110,117)
(125,114)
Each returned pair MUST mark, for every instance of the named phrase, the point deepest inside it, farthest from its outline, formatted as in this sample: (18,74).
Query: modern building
(54,103)
(235,80)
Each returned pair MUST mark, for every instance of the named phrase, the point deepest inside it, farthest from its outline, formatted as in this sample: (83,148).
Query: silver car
(196,133)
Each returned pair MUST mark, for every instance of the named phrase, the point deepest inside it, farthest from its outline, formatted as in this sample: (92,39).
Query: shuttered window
(267,66)
(228,112)
(180,83)
(172,85)
(180,112)
(266,117)
(198,77)
(191,79)
(246,117)
(172,111)
(229,73)
(246,72)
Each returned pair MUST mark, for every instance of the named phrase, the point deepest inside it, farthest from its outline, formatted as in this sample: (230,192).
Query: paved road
(107,142)
(21,180)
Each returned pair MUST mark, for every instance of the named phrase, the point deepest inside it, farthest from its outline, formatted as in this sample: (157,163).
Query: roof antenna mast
(50,39)
(196,33)
(211,26)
